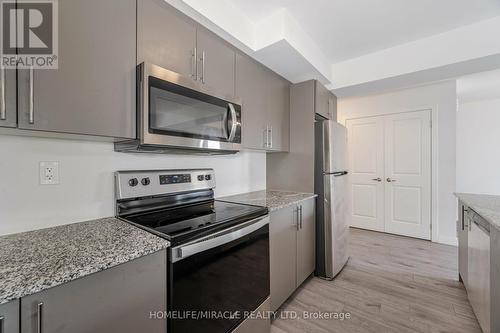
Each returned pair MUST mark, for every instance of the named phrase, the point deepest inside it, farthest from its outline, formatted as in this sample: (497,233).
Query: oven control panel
(141,183)
(175,179)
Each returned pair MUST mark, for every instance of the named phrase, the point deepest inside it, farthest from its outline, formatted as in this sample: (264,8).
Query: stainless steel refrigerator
(332,204)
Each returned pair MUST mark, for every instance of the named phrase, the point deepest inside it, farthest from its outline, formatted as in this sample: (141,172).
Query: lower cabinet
(478,277)
(9,317)
(292,249)
(118,299)
(306,237)
(463,246)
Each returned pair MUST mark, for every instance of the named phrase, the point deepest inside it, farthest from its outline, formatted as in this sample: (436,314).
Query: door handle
(377,179)
(389,180)
(1,324)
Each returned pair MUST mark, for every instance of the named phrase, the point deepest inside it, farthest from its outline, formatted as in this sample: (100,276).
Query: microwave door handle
(234,122)
(226,124)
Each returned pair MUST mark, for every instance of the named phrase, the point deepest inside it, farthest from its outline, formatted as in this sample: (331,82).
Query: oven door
(179,112)
(215,280)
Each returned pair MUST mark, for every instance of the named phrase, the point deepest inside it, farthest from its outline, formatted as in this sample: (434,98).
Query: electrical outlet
(49,173)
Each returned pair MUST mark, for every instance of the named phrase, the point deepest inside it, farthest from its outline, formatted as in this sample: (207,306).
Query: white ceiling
(345,29)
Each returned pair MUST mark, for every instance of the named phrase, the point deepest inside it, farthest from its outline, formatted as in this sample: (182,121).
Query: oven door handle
(207,243)
(234,122)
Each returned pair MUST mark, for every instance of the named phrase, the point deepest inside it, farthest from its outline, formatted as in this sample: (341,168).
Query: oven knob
(133,182)
(200,178)
(145,181)
(208,177)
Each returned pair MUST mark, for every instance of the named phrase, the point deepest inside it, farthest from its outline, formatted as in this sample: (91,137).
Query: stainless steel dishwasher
(478,286)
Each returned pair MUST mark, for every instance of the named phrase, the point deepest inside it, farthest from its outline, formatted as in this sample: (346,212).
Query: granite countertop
(37,260)
(488,206)
(272,199)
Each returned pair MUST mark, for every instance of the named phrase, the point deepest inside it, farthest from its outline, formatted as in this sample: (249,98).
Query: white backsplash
(86,189)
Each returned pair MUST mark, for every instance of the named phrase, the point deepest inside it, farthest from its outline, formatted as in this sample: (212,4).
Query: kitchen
(214,177)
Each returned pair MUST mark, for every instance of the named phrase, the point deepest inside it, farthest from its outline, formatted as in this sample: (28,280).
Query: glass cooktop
(184,223)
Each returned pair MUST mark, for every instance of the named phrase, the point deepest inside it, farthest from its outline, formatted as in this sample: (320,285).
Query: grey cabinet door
(93,90)
(332,107)
(9,317)
(251,88)
(283,247)
(306,241)
(165,37)
(321,100)
(495,279)
(8,111)
(216,62)
(478,276)
(462,230)
(117,300)
(278,94)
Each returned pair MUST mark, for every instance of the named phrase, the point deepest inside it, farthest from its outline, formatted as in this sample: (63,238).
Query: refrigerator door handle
(336,174)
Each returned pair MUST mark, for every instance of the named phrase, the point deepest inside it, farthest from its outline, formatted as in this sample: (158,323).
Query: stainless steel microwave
(178,114)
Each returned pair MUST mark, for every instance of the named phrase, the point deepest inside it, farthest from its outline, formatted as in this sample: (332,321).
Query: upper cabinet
(8,110)
(169,39)
(265,103)
(165,37)
(278,99)
(93,90)
(250,88)
(325,102)
(216,61)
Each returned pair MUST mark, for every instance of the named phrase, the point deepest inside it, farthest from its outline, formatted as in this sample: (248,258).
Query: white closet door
(408,174)
(366,168)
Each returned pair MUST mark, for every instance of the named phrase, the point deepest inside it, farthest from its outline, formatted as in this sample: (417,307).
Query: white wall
(86,190)
(478,147)
(441,99)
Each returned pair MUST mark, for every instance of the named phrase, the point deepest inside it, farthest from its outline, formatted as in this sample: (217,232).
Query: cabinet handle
(389,180)
(264,138)
(377,179)
(203,67)
(194,64)
(1,324)
(271,136)
(39,317)
(297,217)
(3,111)
(301,216)
(31,119)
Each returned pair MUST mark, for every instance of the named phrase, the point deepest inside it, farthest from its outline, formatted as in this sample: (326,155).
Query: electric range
(218,262)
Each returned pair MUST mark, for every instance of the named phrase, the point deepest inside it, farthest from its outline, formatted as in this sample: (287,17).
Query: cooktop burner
(183,223)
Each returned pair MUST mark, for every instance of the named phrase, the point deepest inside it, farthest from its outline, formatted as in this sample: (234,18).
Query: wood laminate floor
(390,284)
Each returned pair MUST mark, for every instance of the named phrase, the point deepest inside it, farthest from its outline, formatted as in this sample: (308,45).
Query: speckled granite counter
(488,206)
(37,260)
(272,199)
